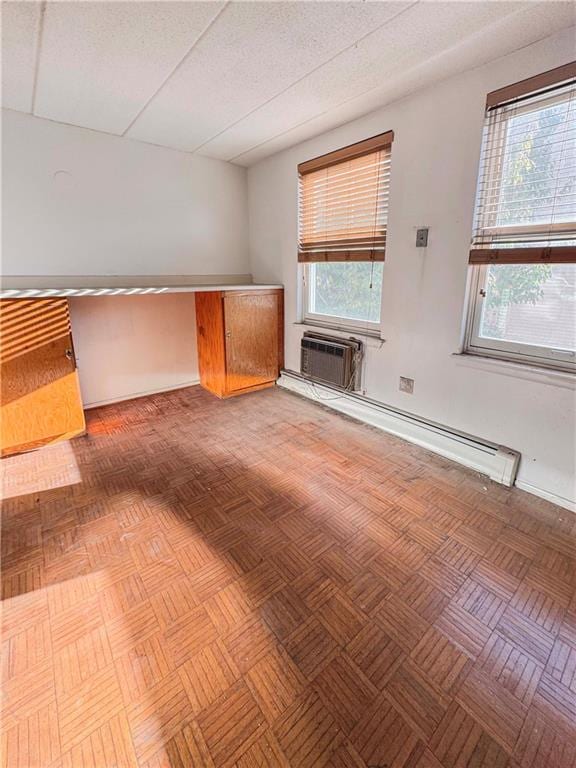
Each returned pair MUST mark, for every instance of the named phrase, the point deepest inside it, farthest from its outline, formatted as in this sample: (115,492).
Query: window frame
(494,176)
(485,251)
(339,247)
(334,322)
(511,351)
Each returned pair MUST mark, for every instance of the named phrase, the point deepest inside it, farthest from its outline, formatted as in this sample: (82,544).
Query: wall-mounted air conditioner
(331,360)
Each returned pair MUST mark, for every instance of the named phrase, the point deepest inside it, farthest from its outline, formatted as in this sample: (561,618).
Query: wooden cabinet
(39,391)
(240,339)
(240,349)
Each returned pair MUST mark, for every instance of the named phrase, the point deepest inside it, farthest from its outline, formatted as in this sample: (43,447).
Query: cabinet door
(210,338)
(251,329)
(39,391)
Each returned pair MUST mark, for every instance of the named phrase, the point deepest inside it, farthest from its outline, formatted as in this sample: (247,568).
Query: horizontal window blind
(343,203)
(526,196)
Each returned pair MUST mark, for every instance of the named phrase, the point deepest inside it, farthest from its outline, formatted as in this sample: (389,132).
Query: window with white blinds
(523,278)
(526,197)
(343,203)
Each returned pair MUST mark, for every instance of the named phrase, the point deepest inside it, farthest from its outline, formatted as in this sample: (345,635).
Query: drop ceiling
(241,80)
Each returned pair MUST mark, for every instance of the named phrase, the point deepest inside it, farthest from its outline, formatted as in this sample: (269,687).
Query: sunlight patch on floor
(54,466)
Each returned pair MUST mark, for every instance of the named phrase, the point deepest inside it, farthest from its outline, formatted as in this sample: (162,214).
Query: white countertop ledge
(127,290)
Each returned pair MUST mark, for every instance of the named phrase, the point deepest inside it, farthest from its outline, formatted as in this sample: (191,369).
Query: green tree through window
(537,157)
(349,290)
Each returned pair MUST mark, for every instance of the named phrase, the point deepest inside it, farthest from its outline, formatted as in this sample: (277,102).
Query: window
(346,293)
(343,211)
(523,252)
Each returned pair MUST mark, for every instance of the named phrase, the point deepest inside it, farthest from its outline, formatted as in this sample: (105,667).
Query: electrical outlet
(422,237)
(406,385)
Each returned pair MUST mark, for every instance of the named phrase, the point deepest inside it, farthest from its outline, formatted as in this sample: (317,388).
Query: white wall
(78,202)
(434,170)
(133,345)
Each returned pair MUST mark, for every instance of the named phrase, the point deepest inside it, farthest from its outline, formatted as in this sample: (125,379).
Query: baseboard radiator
(496,461)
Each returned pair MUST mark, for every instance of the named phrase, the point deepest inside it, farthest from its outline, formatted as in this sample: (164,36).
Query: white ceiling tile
(537,25)
(101,61)
(253,52)
(20,22)
(409,40)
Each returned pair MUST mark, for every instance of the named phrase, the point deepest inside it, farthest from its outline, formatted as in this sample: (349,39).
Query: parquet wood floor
(261,582)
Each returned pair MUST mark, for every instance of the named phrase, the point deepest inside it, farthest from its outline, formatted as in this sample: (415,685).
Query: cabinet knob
(227,334)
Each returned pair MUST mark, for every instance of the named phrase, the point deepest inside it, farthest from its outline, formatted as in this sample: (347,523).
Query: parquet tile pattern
(260,582)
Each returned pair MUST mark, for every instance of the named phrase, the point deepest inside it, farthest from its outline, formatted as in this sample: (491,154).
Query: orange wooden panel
(251,323)
(210,332)
(39,391)
(280,295)
(240,340)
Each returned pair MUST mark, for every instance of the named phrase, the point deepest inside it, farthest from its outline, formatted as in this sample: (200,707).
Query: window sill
(340,328)
(517,370)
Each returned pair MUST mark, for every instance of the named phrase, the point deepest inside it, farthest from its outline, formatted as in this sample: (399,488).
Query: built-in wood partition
(40,399)
(240,340)
(240,349)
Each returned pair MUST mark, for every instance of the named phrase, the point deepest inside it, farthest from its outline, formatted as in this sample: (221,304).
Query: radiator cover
(498,462)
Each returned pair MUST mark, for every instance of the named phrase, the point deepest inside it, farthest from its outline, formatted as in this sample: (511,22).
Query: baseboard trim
(498,462)
(134,395)
(553,498)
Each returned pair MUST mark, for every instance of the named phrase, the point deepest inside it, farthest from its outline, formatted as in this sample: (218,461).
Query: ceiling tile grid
(101,62)
(409,38)
(240,80)
(255,51)
(315,110)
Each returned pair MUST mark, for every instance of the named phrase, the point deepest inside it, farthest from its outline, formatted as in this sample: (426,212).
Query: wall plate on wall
(422,237)
(406,385)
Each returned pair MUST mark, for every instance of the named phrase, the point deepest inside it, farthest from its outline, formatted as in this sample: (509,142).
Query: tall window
(343,213)
(523,253)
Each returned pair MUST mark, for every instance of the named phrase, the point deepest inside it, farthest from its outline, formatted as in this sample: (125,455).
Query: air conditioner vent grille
(331,360)
(328,349)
